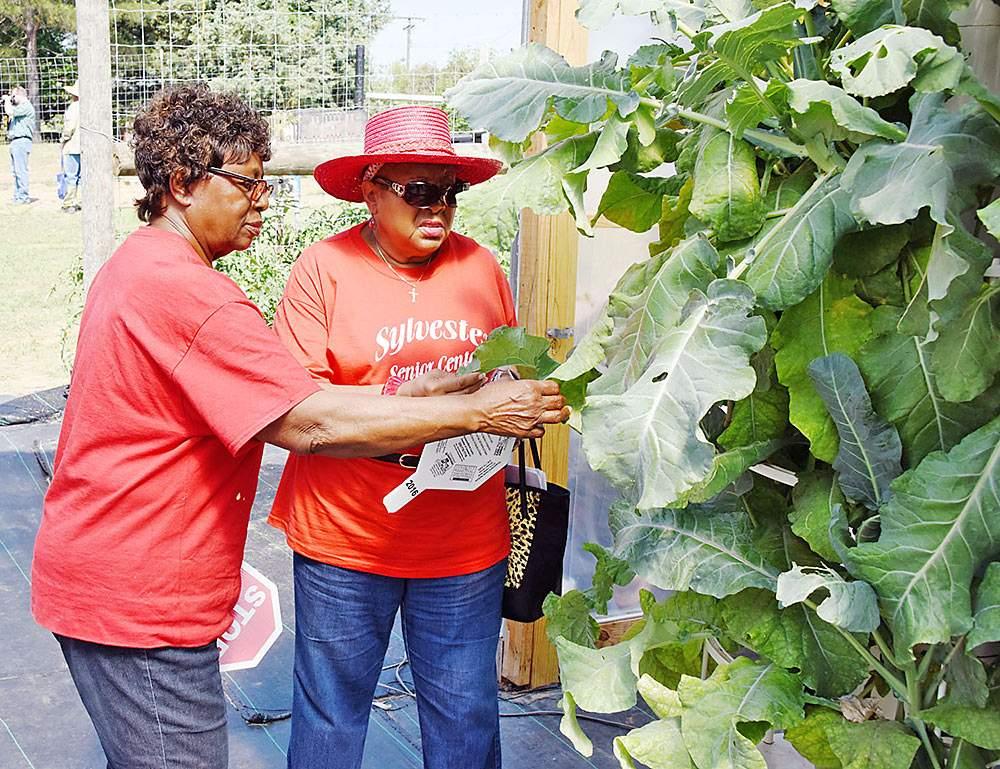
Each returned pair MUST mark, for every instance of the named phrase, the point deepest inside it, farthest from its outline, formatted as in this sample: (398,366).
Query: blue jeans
(71,169)
(19,151)
(152,708)
(343,622)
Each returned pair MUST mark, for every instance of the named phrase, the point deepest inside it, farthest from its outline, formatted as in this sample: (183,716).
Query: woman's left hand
(437,382)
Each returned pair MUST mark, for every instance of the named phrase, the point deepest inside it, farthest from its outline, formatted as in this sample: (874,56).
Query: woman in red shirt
(402,300)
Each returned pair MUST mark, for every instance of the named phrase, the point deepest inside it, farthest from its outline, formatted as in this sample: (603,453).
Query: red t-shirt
(350,321)
(144,524)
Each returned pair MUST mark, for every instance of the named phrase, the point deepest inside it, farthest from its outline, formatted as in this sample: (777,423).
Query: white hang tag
(455,464)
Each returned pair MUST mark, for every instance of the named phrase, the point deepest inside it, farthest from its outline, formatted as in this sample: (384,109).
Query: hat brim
(341,177)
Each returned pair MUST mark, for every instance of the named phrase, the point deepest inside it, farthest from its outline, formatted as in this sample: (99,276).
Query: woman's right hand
(520,408)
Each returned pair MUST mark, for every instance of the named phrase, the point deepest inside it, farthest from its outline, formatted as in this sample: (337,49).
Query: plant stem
(890,678)
(913,701)
(781,143)
(931,692)
(897,11)
(925,663)
(884,648)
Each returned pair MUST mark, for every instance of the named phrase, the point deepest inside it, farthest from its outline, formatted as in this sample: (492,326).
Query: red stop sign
(256,623)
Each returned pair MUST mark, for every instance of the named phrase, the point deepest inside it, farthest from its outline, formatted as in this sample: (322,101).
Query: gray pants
(152,708)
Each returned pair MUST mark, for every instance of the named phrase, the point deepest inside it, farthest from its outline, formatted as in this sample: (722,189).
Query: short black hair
(192,127)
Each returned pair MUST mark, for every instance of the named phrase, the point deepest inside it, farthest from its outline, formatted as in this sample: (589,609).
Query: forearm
(337,423)
(374,389)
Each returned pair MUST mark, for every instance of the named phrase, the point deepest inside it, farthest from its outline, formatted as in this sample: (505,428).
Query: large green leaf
(740,692)
(540,183)
(506,346)
(611,144)
(966,354)
(632,201)
(789,260)
(831,320)
(658,745)
(942,522)
(705,550)
(761,416)
(600,680)
(595,14)
(738,49)
(821,108)
(830,741)
(813,499)
(870,451)
(936,15)
(862,16)
(850,605)
(904,390)
(726,189)
(727,468)
(646,304)
(990,216)
(964,755)
(648,439)
(867,252)
(509,96)
(954,276)
(891,57)
(568,616)
(946,152)
(987,605)
(979,726)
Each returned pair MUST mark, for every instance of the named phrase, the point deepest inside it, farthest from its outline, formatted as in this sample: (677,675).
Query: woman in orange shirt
(397,302)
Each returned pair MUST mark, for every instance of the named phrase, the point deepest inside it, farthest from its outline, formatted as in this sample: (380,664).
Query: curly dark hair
(190,127)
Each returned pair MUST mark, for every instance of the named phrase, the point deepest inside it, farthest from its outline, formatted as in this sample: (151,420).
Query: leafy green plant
(817,305)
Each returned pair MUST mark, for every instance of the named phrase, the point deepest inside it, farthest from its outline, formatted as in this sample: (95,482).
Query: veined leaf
(509,96)
(813,500)
(941,523)
(830,741)
(739,48)
(608,573)
(821,108)
(742,691)
(752,104)
(935,15)
(673,216)
(789,261)
(658,745)
(867,252)
(946,152)
(870,451)
(981,727)
(892,57)
(966,356)
(726,189)
(595,14)
(568,616)
(632,201)
(589,353)
(831,320)
(761,416)
(646,304)
(600,680)
(569,726)
(965,677)
(954,276)
(664,702)
(648,438)
(506,346)
(540,183)
(691,549)
(904,390)
(796,639)
(850,605)
(987,618)
(727,468)
(610,145)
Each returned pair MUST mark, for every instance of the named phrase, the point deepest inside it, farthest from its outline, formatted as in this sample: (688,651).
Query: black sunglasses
(256,188)
(424,194)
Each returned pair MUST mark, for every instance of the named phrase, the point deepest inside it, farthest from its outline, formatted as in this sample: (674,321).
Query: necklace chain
(411,283)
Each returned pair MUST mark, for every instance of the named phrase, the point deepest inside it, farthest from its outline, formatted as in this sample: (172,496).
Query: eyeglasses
(424,194)
(256,188)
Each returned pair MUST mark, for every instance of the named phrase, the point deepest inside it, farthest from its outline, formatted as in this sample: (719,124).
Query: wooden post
(98,199)
(546,303)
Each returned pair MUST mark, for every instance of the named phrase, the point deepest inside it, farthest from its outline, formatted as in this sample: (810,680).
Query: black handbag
(539,524)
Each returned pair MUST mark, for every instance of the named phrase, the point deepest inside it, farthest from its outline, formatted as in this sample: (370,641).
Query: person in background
(20,132)
(383,305)
(70,144)
(177,384)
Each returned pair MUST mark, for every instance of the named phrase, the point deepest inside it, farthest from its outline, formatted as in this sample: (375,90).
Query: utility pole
(410,24)
(94,58)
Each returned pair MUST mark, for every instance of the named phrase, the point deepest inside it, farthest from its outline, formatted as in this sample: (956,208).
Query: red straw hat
(410,134)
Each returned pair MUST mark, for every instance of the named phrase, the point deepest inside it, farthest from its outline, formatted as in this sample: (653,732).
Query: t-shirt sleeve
(238,377)
(300,320)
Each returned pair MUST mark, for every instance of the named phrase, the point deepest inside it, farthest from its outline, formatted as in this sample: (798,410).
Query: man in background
(70,143)
(20,131)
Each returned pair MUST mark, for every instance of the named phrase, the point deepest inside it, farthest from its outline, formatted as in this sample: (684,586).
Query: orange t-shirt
(350,321)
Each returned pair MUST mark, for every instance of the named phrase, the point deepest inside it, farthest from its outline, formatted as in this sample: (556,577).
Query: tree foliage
(817,298)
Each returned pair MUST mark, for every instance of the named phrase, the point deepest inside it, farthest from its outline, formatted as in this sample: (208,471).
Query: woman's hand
(438,382)
(521,408)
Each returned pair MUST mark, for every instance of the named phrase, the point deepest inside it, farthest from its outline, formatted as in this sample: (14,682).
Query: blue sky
(449,24)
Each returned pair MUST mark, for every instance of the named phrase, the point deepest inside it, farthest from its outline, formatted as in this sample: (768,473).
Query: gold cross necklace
(411,283)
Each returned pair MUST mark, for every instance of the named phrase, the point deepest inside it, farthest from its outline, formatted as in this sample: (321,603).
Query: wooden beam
(97,179)
(546,300)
